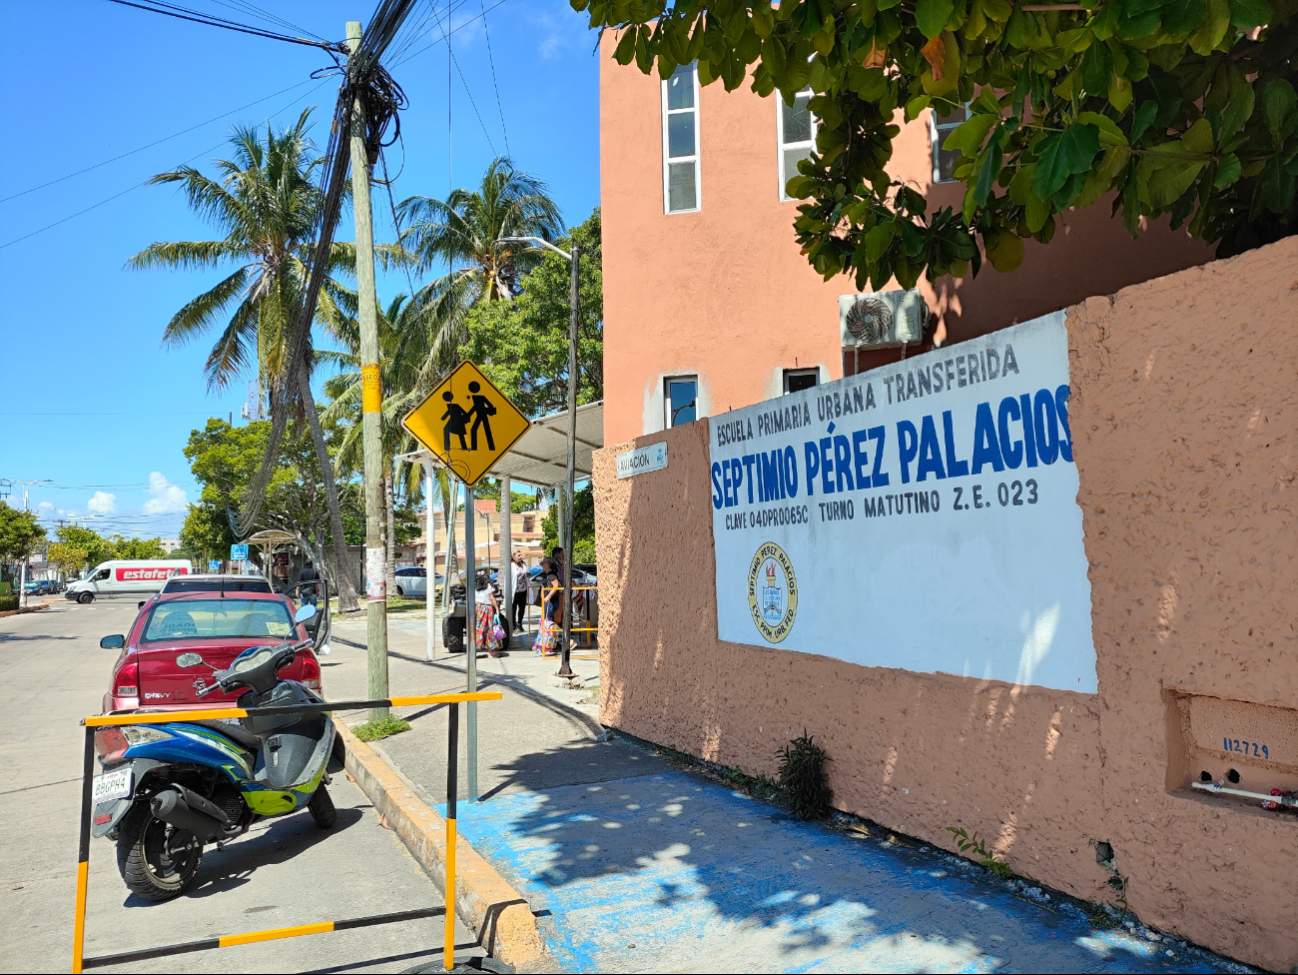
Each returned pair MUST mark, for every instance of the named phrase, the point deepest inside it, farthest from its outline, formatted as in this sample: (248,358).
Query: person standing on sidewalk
(521,579)
(486,615)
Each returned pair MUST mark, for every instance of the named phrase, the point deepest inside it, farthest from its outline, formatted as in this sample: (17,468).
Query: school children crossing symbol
(467,423)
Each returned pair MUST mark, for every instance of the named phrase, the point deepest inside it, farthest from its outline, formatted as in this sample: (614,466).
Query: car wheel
(401,592)
(157,860)
(86,597)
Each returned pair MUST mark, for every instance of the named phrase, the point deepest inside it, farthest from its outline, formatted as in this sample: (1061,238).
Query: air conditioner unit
(882,319)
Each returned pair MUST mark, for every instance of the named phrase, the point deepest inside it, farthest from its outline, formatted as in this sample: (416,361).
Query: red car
(156,666)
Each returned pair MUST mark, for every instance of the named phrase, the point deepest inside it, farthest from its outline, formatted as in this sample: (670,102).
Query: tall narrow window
(681,400)
(681,141)
(940,127)
(797,131)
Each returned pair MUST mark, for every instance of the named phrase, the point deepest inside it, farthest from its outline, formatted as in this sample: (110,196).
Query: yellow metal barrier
(80,962)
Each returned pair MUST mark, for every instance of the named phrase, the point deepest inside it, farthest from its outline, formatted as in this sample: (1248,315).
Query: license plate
(112,785)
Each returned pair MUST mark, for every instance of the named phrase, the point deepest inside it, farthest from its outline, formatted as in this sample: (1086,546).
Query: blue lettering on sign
(930,456)
(907,447)
(1029,429)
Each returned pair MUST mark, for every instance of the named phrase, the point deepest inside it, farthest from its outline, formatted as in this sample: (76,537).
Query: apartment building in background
(708,304)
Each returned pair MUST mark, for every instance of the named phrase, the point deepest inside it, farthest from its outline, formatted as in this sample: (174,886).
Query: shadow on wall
(920,752)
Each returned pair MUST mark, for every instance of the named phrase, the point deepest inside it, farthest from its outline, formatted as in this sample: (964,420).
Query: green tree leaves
(1185,108)
(1061,155)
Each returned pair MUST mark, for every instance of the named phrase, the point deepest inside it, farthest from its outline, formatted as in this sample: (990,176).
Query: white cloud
(102,503)
(165,498)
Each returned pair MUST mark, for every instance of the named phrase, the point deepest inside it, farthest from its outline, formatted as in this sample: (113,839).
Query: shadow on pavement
(266,844)
(637,870)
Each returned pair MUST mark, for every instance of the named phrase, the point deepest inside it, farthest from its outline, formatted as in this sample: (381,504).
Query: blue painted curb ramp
(672,873)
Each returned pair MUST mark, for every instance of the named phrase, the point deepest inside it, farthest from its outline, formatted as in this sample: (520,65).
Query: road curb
(483,899)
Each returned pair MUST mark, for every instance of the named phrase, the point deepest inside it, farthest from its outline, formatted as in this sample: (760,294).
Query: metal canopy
(541,456)
(271,538)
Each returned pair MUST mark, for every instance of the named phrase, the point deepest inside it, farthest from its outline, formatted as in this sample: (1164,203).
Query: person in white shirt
(521,579)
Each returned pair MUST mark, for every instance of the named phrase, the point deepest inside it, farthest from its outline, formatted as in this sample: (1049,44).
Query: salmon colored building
(706,296)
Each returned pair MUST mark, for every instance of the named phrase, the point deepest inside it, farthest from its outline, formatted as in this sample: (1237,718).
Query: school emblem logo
(772,592)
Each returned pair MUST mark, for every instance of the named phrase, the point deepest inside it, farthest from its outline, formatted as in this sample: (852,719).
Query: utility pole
(376,595)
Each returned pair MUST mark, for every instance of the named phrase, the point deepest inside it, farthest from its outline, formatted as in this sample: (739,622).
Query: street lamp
(574,259)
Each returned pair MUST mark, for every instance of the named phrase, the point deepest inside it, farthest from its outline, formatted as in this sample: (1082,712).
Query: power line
(185,13)
(137,186)
(492,60)
(157,142)
(452,30)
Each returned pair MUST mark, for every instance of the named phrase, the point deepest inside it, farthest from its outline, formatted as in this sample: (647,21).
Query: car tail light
(310,672)
(126,682)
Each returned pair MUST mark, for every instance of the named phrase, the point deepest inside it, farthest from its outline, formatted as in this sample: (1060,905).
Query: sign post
(468,424)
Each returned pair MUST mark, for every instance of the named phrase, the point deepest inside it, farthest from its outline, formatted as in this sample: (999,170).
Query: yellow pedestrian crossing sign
(467,423)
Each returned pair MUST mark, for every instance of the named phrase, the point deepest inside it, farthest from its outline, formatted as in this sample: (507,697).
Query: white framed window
(681,399)
(939,127)
(796,380)
(795,127)
(682,189)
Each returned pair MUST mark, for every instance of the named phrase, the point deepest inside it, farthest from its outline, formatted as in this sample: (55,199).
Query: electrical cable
(453,30)
(157,142)
(266,15)
(129,189)
(185,13)
(492,61)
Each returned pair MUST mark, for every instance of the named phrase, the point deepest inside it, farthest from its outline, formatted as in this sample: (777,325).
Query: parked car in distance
(126,577)
(412,580)
(40,587)
(216,627)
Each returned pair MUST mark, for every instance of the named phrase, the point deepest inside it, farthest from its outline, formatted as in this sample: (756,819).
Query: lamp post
(574,259)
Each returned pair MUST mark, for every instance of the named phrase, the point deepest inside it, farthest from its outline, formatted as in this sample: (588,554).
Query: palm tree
(403,350)
(265,204)
(462,234)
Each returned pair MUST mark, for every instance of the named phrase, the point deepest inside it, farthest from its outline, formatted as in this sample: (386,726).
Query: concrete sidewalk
(637,866)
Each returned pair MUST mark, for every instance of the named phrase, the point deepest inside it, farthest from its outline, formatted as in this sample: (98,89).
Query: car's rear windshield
(198,619)
(181,584)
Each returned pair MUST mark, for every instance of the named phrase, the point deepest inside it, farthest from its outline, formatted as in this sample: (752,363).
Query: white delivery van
(126,577)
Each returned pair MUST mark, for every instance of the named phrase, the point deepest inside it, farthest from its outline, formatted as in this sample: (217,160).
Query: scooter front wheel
(322,808)
(157,860)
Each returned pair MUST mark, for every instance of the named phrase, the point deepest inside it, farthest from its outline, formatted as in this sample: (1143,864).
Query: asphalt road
(283,872)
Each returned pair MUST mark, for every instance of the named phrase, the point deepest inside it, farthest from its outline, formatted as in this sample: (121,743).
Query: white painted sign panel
(642,460)
(922,515)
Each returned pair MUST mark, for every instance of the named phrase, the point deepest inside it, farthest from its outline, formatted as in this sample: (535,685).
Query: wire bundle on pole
(365,80)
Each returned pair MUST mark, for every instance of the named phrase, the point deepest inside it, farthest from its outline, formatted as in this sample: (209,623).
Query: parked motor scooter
(169,789)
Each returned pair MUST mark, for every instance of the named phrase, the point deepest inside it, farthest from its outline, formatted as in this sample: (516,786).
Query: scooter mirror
(188,660)
(304,613)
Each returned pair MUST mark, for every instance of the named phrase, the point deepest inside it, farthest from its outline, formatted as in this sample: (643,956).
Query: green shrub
(8,603)
(803,780)
(374,730)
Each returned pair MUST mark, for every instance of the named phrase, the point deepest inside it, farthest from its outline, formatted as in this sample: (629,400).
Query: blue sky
(90,398)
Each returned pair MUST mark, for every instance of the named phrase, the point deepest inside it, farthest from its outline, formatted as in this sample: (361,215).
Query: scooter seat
(234,731)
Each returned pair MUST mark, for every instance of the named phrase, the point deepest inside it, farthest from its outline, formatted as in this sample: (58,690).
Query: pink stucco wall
(725,294)
(1185,439)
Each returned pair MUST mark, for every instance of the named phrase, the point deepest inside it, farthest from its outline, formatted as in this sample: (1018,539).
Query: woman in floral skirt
(486,613)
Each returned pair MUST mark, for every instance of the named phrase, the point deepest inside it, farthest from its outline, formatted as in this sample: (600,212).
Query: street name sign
(642,460)
(467,423)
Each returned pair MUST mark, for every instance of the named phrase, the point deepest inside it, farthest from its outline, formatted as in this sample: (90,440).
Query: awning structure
(540,458)
(271,538)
